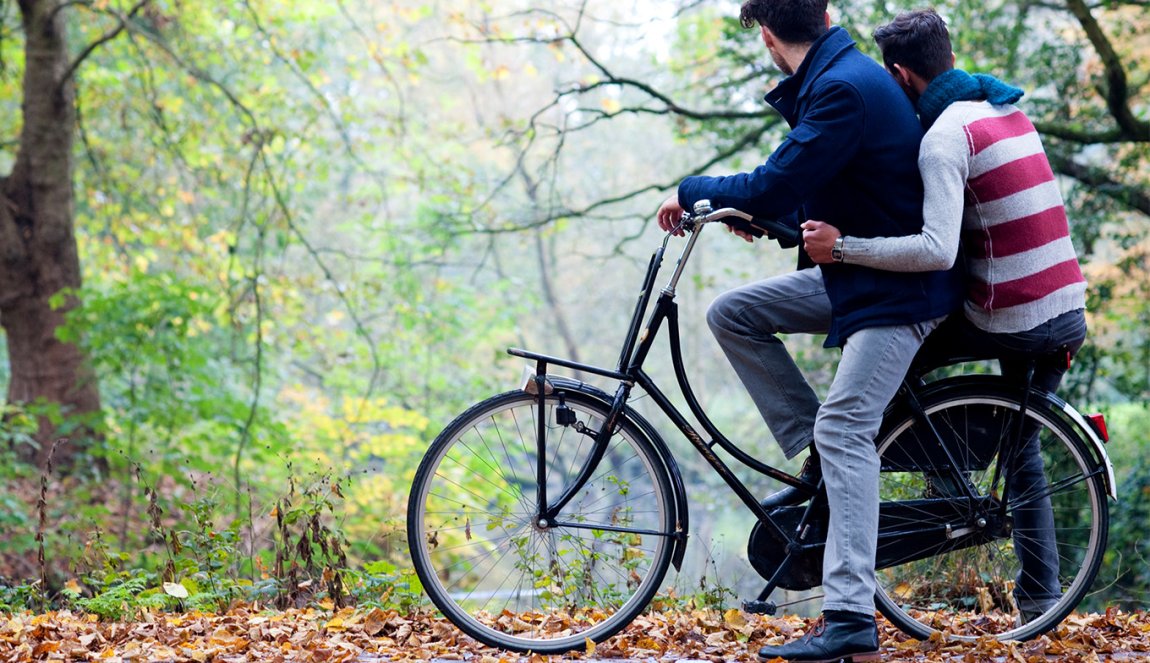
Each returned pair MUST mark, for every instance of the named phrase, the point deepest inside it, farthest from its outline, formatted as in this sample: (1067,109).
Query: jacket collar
(822,54)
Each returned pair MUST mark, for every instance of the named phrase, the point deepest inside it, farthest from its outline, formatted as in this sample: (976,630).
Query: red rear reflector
(1099,422)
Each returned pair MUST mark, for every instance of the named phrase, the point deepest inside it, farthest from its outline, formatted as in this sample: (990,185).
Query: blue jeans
(1037,586)
(746,323)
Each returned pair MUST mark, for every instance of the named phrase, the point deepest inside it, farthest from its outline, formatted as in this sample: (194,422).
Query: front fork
(547,513)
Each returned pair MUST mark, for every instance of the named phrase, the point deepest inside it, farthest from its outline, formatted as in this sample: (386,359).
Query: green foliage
(1125,570)
(155,341)
(17,426)
(382,584)
(122,598)
(1128,559)
(206,559)
(194,558)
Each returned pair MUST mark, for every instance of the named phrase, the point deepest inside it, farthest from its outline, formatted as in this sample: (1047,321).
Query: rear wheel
(500,574)
(1009,574)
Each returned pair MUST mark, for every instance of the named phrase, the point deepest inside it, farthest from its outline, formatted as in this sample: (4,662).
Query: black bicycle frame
(629,372)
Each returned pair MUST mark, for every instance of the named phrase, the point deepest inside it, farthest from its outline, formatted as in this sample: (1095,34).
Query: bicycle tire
(511,583)
(969,592)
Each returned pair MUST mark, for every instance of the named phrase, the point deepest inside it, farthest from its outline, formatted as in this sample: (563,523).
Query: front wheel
(513,579)
(1007,573)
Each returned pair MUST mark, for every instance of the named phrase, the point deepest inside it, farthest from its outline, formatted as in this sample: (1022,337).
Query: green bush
(1124,579)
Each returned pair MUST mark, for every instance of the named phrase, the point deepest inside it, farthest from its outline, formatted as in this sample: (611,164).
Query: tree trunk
(38,254)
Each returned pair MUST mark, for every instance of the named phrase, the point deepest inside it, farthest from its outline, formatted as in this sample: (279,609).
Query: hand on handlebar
(818,239)
(669,214)
(671,219)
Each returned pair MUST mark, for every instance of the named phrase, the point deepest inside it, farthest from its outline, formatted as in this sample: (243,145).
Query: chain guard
(908,530)
(767,548)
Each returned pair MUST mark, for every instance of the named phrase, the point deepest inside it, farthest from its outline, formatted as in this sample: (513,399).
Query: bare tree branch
(672,107)
(70,3)
(612,80)
(746,141)
(656,103)
(1081,136)
(401,116)
(105,38)
(1100,181)
(324,102)
(1117,91)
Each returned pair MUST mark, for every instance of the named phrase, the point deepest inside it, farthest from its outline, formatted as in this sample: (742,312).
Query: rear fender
(994,385)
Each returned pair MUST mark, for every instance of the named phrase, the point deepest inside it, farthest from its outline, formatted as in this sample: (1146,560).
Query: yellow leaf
(611,105)
(72,586)
(734,618)
(590,647)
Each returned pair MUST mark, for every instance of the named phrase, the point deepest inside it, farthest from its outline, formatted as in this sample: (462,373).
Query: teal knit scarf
(957,85)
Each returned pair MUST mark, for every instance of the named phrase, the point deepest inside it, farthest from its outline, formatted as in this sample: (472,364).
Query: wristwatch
(837,250)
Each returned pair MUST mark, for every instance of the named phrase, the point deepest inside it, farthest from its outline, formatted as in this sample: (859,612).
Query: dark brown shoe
(812,473)
(837,637)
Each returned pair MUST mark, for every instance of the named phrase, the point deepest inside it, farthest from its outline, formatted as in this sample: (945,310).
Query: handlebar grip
(787,236)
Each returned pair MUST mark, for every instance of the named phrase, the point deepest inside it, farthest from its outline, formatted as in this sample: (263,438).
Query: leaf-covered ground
(251,634)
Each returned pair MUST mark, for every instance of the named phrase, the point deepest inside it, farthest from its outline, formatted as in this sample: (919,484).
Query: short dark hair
(917,40)
(792,21)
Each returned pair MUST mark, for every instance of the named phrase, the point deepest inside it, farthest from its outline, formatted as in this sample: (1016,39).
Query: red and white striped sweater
(985,173)
(1022,266)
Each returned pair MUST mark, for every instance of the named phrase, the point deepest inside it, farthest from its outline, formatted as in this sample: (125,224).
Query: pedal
(760,607)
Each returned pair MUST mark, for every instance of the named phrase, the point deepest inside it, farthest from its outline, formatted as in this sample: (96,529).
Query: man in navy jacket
(851,160)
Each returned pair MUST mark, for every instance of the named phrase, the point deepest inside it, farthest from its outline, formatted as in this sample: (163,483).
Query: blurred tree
(39,256)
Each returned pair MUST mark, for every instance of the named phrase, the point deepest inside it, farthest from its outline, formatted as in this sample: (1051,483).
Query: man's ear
(901,74)
(827,18)
(768,38)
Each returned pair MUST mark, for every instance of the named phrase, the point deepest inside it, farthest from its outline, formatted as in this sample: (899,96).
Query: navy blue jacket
(851,159)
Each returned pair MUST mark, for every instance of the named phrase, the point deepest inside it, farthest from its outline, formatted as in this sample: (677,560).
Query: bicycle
(546,517)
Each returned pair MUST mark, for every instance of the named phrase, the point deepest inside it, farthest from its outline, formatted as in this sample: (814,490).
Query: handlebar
(786,235)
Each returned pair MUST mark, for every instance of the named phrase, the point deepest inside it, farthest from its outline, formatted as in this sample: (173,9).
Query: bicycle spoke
(512,580)
(970,585)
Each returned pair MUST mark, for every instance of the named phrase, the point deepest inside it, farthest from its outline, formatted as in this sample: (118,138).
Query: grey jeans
(746,322)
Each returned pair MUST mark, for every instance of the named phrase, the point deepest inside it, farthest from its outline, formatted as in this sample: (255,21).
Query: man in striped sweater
(987,180)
